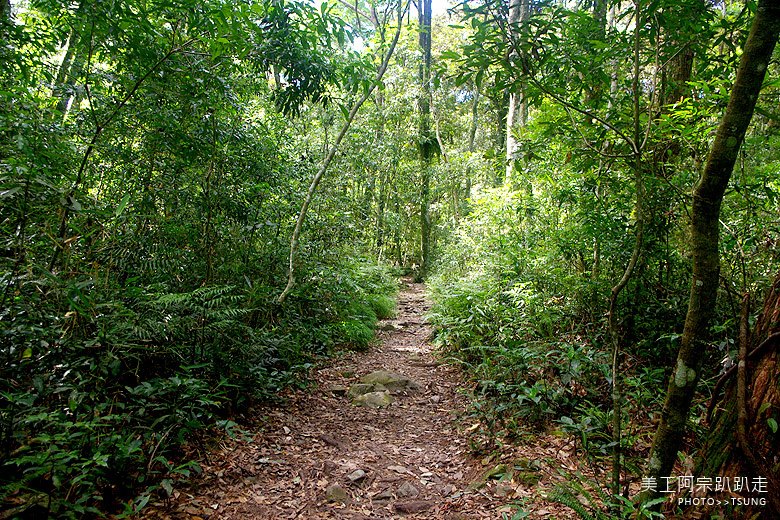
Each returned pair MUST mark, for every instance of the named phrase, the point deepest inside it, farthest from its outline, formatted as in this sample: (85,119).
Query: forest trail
(409,460)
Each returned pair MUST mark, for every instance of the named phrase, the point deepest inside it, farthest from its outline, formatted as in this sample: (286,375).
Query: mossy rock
(499,471)
(521,471)
(374,400)
(525,465)
(526,472)
(393,382)
(336,493)
(359,389)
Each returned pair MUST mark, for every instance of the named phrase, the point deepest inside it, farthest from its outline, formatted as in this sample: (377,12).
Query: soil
(321,457)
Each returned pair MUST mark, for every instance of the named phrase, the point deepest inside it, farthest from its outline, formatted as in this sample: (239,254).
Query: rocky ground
(403,453)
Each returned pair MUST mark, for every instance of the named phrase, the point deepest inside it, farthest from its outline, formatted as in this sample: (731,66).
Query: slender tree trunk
(474,119)
(595,89)
(71,66)
(705,213)
(425,137)
(612,315)
(328,158)
(380,213)
(500,102)
(382,191)
(517,113)
(5,11)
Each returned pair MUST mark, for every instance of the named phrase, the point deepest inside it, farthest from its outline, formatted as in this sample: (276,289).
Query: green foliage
(590,501)
(104,413)
(153,157)
(148,181)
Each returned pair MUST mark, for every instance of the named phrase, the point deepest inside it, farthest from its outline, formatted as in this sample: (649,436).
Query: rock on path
(323,457)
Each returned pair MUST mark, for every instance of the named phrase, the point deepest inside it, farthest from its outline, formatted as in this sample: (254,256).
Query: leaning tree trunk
(750,449)
(705,215)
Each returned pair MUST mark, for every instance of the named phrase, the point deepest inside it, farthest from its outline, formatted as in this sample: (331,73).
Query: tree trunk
(382,191)
(66,74)
(705,213)
(612,314)
(380,213)
(474,119)
(594,90)
(517,113)
(5,11)
(500,102)
(426,139)
(723,453)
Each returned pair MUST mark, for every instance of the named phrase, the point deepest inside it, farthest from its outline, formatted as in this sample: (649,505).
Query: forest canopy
(202,200)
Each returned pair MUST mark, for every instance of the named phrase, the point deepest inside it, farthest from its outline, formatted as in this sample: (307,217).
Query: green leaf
(122,205)
(141,501)
(167,486)
(7,193)
(344,111)
(772,423)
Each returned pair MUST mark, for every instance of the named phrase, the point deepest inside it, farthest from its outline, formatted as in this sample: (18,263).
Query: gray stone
(407,490)
(392,381)
(338,390)
(383,495)
(336,493)
(389,327)
(356,476)
(373,400)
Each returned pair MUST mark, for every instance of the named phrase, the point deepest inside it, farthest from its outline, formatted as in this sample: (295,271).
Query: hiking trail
(323,457)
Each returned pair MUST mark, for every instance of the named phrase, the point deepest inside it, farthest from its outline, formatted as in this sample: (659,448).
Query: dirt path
(408,460)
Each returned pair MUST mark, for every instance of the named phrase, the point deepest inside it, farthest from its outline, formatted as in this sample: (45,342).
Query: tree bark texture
(69,69)
(5,11)
(722,453)
(705,213)
(425,136)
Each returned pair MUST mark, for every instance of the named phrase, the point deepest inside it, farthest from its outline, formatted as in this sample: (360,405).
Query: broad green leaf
(122,205)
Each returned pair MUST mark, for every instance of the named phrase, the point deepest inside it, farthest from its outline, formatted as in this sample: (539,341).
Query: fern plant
(592,502)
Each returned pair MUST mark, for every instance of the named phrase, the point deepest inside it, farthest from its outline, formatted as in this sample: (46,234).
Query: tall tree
(705,215)
(426,139)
